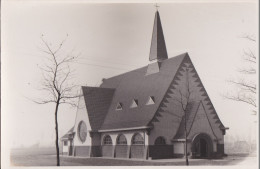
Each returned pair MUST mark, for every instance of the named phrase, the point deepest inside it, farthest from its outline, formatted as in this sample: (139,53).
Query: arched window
(160,141)
(121,140)
(107,140)
(137,139)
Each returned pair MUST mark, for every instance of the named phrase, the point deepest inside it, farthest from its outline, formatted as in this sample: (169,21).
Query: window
(82,131)
(119,106)
(121,140)
(65,143)
(107,140)
(160,141)
(151,100)
(134,103)
(137,139)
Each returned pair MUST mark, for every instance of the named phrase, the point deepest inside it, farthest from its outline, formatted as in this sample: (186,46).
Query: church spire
(158,51)
(158,48)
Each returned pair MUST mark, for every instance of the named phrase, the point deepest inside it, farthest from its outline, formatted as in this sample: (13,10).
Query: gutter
(125,129)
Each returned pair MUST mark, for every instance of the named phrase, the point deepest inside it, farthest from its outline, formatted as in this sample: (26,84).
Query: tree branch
(44,101)
(54,76)
(251,38)
(248,71)
(245,86)
(242,98)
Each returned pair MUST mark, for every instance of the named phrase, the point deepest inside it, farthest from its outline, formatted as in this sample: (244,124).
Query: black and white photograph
(129,83)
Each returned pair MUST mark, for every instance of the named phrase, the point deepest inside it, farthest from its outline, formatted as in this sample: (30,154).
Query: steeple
(158,51)
(158,48)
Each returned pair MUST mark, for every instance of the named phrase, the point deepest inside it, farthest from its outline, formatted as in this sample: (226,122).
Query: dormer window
(119,106)
(151,100)
(134,103)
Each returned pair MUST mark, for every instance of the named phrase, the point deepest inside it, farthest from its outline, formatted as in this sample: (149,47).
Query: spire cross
(156,6)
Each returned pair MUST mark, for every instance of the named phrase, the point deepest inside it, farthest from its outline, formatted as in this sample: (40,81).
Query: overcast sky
(113,39)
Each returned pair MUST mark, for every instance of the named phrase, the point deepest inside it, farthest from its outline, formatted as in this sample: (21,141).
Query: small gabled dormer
(151,100)
(119,106)
(134,103)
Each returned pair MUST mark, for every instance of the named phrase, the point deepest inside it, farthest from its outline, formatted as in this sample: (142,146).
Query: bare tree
(246,88)
(57,83)
(183,98)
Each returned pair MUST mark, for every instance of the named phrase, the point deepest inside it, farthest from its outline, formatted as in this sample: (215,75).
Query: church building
(148,113)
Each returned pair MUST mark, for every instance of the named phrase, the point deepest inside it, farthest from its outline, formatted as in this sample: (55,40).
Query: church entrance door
(202,146)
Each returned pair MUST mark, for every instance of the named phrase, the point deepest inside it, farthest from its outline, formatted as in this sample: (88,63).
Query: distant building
(67,142)
(139,114)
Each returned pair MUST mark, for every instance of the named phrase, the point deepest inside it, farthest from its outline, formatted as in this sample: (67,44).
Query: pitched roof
(97,102)
(137,85)
(158,47)
(66,136)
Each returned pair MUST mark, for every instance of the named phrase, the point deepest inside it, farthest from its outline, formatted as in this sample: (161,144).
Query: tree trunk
(57,133)
(186,152)
(186,156)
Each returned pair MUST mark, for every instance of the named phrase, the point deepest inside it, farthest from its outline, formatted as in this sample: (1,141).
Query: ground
(48,158)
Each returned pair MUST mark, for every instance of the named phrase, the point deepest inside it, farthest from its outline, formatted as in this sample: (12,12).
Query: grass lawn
(48,158)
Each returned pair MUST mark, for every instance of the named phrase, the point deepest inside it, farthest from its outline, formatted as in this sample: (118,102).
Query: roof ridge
(136,70)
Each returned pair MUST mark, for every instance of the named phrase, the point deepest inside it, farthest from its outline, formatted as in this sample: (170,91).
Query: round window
(82,131)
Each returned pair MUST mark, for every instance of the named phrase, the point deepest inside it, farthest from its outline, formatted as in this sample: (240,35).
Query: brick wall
(137,151)
(161,151)
(108,151)
(121,151)
(82,151)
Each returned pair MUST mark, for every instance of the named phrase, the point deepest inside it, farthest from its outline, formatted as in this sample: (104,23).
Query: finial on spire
(156,6)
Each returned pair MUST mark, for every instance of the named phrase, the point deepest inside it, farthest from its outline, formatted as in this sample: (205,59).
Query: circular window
(82,131)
